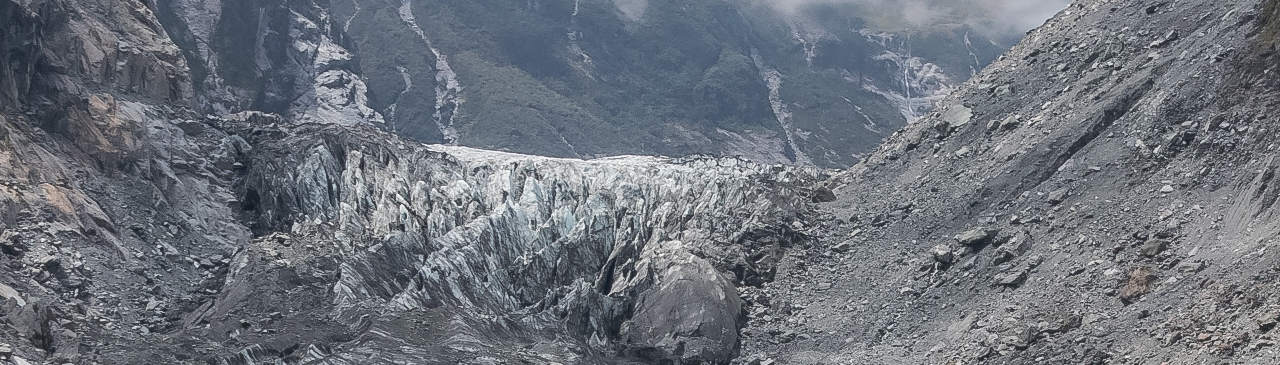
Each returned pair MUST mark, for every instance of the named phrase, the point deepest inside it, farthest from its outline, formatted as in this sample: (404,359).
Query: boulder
(977,236)
(7,293)
(957,116)
(1057,196)
(1140,282)
(1153,247)
(1003,255)
(689,314)
(1013,277)
(823,195)
(942,254)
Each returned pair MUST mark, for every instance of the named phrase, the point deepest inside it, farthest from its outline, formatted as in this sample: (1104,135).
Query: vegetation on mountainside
(538,79)
(508,109)
(386,45)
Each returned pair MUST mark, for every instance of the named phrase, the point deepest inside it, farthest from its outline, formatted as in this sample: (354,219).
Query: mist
(1006,17)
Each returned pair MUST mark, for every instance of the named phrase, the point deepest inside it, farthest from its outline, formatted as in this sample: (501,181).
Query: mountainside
(228,183)
(575,78)
(1103,193)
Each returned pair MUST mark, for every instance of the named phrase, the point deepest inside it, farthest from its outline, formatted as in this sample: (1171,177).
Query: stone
(880,220)
(823,195)
(963,151)
(49,263)
(691,314)
(1168,38)
(1166,189)
(5,350)
(1003,255)
(1267,320)
(957,116)
(1012,278)
(977,236)
(952,118)
(1004,90)
(1012,122)
(1057,196)
(1030,334)
(942,253)
(843,247)
(1153,247)
(1190,266)
(8,293)
(1139,283)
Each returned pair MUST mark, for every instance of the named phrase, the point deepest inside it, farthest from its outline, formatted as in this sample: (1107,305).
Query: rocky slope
(1099,194)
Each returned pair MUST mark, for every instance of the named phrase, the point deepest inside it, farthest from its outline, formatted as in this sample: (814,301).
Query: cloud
(1022,15)
(997,16)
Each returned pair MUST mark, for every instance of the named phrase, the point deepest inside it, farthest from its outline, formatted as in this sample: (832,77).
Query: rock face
(808,85)
(1131,192)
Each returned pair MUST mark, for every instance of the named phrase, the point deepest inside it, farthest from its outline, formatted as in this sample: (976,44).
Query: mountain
(813,85)
(183,183)
(1101,194)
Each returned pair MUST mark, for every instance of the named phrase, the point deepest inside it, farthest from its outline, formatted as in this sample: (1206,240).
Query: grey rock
(957,116)
(1153,247)
(1190,266)
(8,293)
(823,195)
(1267,320)
(942,254)
(1166,40)
(49,262)
(1004,90)
(1002,255)
(846,246)
(1058,196)
(954,117)
(1013,277)
(693,318)
(1011,122)
(977,236)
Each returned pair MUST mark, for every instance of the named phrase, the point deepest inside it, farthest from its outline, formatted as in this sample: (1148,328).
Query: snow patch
(921,84)
(773,79)
(448,90)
